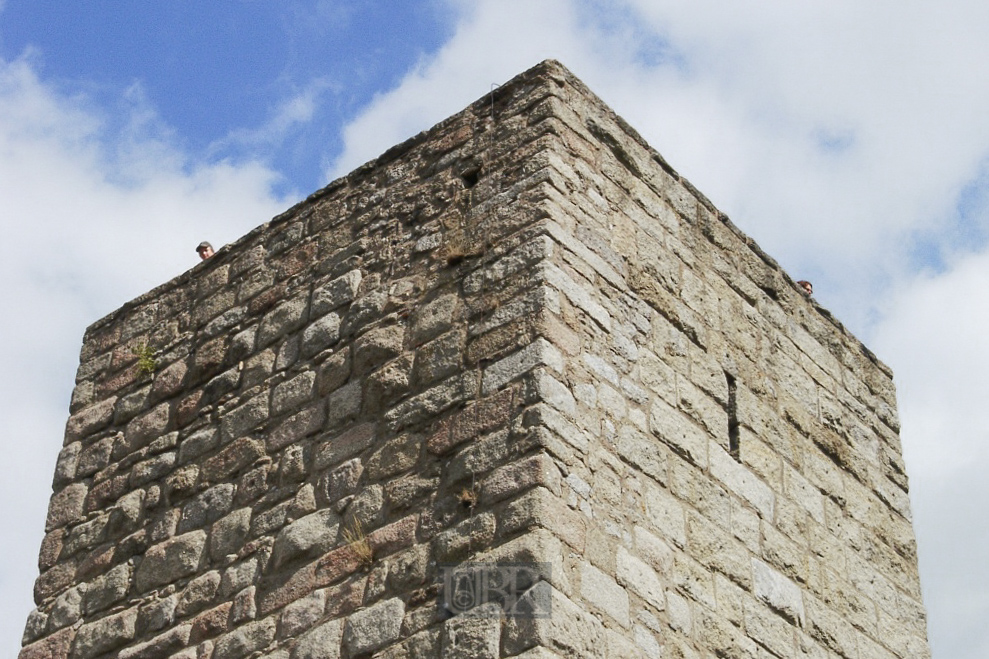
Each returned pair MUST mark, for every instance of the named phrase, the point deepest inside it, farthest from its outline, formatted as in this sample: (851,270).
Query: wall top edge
(547,72)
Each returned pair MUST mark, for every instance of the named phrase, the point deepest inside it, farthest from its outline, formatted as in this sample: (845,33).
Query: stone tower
(513,389)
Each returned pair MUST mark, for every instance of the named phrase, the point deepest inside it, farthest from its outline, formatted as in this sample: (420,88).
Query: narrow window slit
(733,442)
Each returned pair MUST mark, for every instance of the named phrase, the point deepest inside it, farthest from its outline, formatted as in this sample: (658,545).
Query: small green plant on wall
(146,363)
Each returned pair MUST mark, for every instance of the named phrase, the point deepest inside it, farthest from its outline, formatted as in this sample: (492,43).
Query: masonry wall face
(518,337)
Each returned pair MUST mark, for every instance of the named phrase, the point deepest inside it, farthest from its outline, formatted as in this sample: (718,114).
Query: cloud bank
(96,208)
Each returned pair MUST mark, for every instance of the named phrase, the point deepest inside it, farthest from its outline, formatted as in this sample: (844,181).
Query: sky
(850,139)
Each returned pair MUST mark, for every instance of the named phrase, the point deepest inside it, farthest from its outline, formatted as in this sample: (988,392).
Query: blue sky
(849,139)
(234,80)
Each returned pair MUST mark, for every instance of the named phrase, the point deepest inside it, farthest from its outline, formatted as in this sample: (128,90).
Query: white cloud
(494,42)
(91,217)
(830,131)
(934,329)
(291,113)
(933,332)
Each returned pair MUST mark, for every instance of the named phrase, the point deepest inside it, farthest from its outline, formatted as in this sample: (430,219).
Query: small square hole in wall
(471,177)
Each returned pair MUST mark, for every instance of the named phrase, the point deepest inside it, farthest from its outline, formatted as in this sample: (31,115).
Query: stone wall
(518,337)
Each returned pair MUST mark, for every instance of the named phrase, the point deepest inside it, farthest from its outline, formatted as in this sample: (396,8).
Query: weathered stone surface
(297,426)
(334,372)
(235,457)
(66,505)
(207,359)
(288,353)
(387,385)
(433,401)
(439,358)
(170,560)
(87,534)
(603,592)
(539,507)
(376,347)
(148,427)
(237,579)
(476,636)
(153,469)
(777,591)
(90,420)
(396,456)
(434,318)
(68,460)
(211,623)
(423,645)
(160,646)
(197,594)
(341,481)
(302,614)
(479,417)
(307,537)
(105,634)
(366,507)
(82,395)
(454,544)
(323,642)
(555,393)
(346,445)
(108,589)
(67,608)
(338,292)
(244,606)
(181,482)
(244,640)
(642,451)
(292,467)
(221,385)
(364,310)
(321,334)
(641,579)
(511,479)
(284,318)
(257,367)
(394,536)
(568,630)
(55,646)
(206,507)
(197,444)
(579,296)
(37,621)
(404,491)
(741,481)
(51,547)
(344,404)
(292,393)
(374,627)
(539,353)
(168,381)
(679,433)
(156,615)
(245,418)
(94,457)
